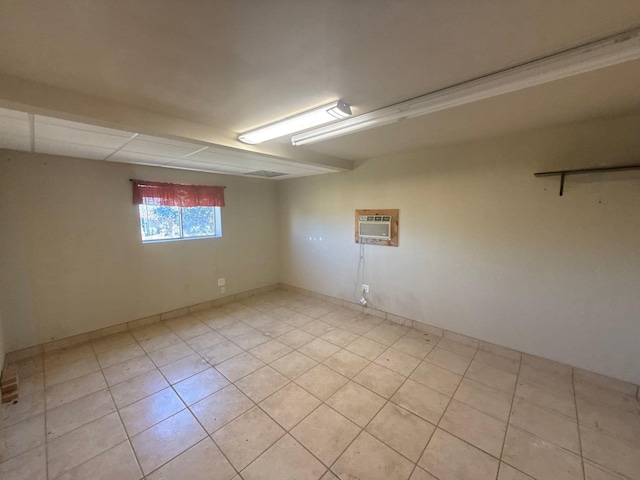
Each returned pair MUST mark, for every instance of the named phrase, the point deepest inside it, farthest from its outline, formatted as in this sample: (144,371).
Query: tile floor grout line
(176,360)
(466,441)
(170,385)
(470,406)
(575,402)
(542,407)
(187,407)
(135,455)
(282,304)
(506,430)
(46,443)
(553,413)
(288,432)
(387,401)
(516,469)
(477,409)
(87,423)
(384,405)
(549,412)
(611,392)
(100,367)
(84,396)
(343,416)
(210,435)
(337,412)
(67,363)
(369,362)
(95,456)
(322,402)
(445,368)
(498,368)
(443,413)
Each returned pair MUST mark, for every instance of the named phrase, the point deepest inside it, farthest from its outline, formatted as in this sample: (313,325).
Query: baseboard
(60,343)
(460,338)
(18,355)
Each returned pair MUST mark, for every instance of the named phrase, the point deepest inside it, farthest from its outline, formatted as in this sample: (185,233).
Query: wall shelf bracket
(564,173)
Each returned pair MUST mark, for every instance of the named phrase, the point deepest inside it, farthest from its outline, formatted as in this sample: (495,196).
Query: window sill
(164,240)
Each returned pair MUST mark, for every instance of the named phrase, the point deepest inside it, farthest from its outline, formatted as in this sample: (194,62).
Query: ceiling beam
(35,98)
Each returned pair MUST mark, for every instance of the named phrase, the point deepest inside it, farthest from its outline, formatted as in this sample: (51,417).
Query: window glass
(198,222)
(174,223)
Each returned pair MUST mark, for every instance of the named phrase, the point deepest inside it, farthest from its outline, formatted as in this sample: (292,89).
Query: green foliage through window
(173,223)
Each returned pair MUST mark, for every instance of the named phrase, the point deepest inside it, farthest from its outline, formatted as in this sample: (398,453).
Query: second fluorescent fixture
(617,49)
(297,123)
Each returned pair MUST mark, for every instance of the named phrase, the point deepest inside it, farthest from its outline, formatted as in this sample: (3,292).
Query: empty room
(320,240)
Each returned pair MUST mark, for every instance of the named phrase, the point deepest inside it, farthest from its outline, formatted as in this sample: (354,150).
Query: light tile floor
(282,386)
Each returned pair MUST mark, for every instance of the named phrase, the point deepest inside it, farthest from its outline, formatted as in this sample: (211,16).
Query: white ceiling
(608,92)
(234,66)
(40,134)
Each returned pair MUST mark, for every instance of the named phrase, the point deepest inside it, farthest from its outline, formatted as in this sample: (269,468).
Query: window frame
(217,219)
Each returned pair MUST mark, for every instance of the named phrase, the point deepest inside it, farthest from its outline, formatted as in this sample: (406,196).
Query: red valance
(176,195)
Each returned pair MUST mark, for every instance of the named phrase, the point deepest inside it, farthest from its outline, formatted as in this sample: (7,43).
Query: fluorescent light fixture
(297,123)
(611,51)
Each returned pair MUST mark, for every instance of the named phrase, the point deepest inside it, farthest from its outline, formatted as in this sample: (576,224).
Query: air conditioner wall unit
(374,226)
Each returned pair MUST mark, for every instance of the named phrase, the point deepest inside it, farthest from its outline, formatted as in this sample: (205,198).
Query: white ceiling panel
(59,133)
(4,112)
(312,168)
(15,133)
(136,157)
(224,156)
(53,147)
(288,169)
(62,137)
(208,167)
(163,147)
(242,168)
(239,162)
(196,169)
(14,126)
(309,169)
(274,167)
(293,171)
(275,163)
(14,142)
(165,60)
(171,141)
(82,126)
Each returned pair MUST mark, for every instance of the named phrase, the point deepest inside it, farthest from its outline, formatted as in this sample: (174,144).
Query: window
(160,223)
(170,211)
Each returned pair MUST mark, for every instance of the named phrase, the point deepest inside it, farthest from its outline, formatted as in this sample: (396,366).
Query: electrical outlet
(222,290)
(365,288)
(221,282)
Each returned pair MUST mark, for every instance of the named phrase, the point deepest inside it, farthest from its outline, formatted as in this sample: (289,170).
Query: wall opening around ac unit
(377,227)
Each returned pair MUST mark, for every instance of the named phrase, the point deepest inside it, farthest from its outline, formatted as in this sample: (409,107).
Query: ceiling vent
(265,173)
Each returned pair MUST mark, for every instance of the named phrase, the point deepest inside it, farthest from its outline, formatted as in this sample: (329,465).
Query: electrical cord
(359,274)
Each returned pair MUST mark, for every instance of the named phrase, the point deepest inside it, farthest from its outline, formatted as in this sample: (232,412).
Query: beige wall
(3,350)
(486,249)
(71,257)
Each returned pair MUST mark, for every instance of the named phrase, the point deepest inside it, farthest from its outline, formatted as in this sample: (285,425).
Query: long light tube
(614,50)
(297,123)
